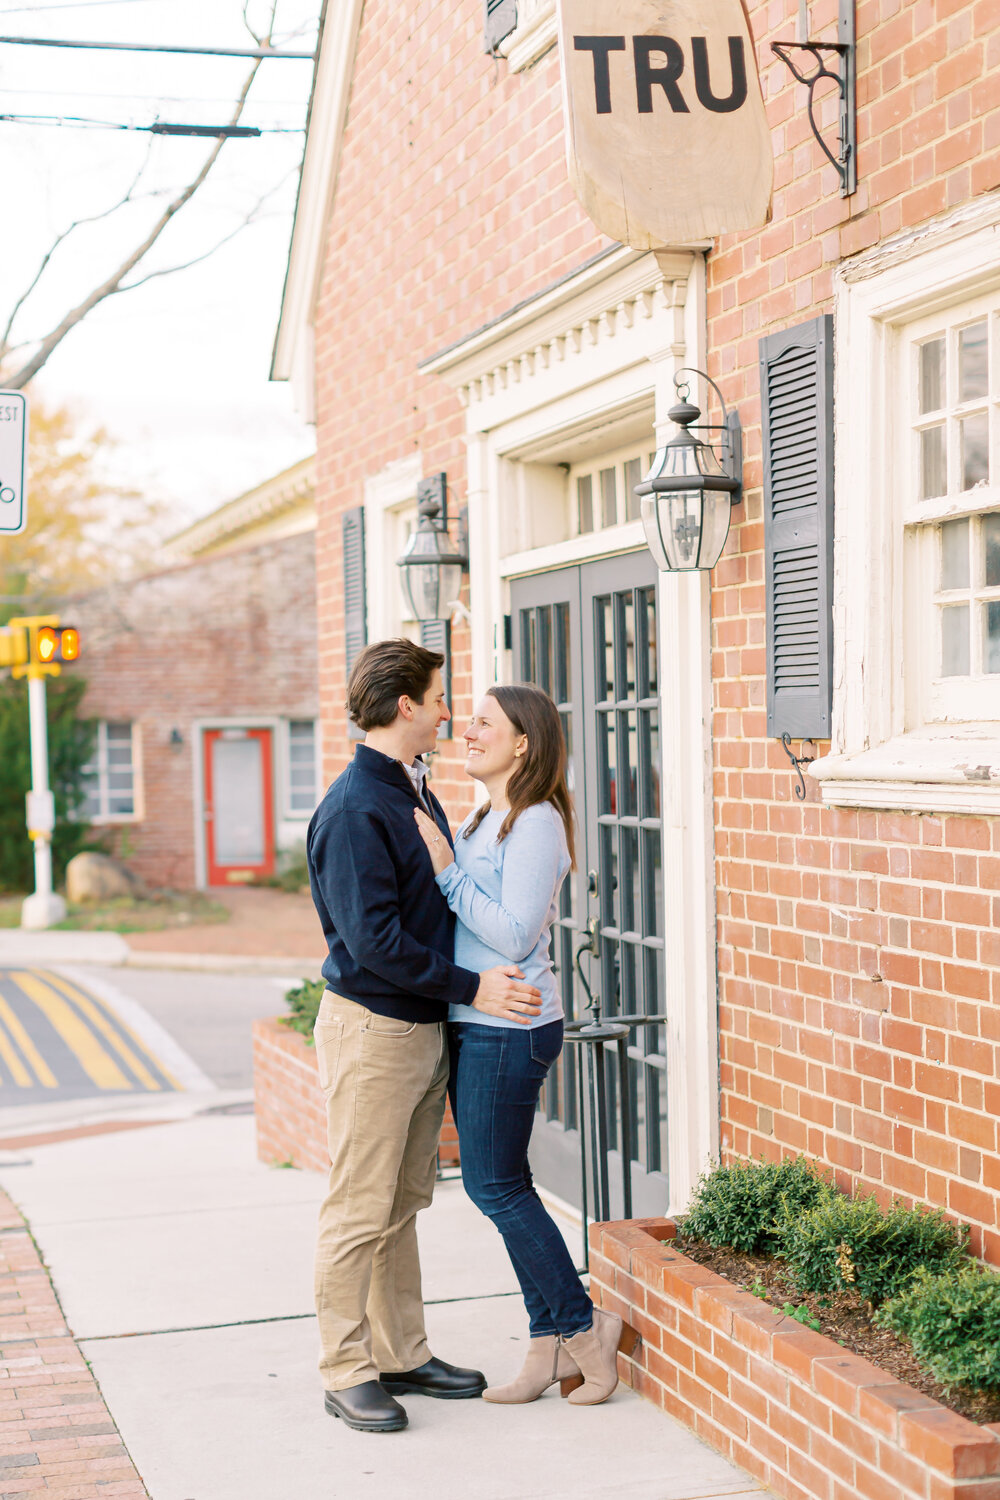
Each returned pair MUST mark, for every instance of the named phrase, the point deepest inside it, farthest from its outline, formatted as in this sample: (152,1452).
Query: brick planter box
(288,1102)
(800,1413)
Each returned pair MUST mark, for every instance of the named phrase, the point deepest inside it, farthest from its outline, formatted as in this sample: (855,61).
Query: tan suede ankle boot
(547,1361)
(596,1354)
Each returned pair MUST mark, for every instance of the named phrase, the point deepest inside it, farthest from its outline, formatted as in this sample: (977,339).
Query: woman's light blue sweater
(504,896)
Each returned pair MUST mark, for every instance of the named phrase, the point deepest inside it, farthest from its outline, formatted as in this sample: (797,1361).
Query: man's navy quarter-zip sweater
(388,928)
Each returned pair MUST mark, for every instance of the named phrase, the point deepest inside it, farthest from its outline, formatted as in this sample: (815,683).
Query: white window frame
(885,752)
(390,516)
(289,813)
(101,762)
(535,33)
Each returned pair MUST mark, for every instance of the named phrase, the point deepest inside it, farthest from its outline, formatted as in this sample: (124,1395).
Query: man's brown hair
(383,673)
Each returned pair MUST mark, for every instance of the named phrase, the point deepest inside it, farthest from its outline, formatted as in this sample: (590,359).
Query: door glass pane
(631,884)
(629,730)
(563,653)
(933,476)
(932,375)
(544,645)
(609,498)
(991,549)
(975,436)
(607,795)
(651,643)
(238,803)
(529,655)
(955,641)
(627,625)
(972,363)
(955,555)
(991,645)
(585,503)
(604,652)
(633,476)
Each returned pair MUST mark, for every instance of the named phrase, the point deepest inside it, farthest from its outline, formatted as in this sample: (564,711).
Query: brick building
(202,678)
(830,967)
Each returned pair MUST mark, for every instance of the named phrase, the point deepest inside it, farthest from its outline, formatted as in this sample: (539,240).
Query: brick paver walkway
(263,923)
(57,1439)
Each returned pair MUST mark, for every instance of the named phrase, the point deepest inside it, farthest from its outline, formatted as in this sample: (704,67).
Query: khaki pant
(384,1081)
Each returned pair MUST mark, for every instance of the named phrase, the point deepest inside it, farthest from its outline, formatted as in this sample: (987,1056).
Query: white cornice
(293,487)
(607,295)
(334,69)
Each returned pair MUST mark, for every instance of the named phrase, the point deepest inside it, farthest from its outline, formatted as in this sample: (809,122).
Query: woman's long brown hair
(540,773)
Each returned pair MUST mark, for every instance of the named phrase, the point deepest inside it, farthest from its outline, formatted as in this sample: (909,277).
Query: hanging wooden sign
(666,134)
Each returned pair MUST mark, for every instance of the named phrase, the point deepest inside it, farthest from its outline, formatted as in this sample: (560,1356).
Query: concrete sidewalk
(184,1269)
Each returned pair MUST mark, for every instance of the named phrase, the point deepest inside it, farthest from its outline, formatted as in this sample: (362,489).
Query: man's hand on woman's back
(500,995)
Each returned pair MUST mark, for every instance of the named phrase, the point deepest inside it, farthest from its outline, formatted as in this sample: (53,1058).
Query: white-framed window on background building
(916,703)
(302,792)
(111,776)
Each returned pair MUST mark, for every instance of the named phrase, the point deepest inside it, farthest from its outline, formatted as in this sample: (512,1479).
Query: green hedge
(303,1002)
(747,1204)
(953,1323)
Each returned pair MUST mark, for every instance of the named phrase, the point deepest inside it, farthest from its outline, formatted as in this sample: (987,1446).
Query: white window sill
(536,31)
(951,768)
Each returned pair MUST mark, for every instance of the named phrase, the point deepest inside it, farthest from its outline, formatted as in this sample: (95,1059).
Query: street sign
(13,451)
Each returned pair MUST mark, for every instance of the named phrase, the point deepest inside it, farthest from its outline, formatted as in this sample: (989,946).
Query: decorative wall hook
(798,761)
(844,76)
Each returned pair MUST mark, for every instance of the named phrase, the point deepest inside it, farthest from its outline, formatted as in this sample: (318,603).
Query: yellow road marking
(105,1010)
(18,1071)
(96,1063)
(43,1072)
(96,1018)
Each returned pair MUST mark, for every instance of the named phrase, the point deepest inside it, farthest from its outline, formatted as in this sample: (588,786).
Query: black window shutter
(499,20)
(796,389)
(435,635)
(355,605)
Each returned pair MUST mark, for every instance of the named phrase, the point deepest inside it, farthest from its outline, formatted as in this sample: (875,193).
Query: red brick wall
(230,636)
(868,1038)
(859,962)
(288,1103)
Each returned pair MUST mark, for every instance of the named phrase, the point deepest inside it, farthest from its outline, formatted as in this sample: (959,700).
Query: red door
(239,805)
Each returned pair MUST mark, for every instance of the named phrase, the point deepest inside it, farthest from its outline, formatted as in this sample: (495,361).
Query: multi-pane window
(109,778)
(602,492)
(301,765)
(952,510)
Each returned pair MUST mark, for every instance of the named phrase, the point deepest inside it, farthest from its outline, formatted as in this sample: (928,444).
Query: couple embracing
(439,980)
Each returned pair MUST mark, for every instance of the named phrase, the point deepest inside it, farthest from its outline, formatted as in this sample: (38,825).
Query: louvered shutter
(352,530)
(499,20)
(796,385)
(435,635)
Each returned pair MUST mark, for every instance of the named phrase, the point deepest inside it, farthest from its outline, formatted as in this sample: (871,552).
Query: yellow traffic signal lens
(70,642)
(48,644)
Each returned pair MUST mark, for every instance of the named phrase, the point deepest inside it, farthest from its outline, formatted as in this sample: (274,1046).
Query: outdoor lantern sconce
(689,493)
(431,568)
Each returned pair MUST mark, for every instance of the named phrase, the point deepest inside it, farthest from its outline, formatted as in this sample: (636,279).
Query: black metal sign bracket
(844,75)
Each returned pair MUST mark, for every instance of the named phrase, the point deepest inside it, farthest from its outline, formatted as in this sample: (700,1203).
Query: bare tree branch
(5,349)
(253,217)
(113,284)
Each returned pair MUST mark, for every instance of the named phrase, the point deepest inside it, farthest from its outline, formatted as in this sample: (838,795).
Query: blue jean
(496,1076)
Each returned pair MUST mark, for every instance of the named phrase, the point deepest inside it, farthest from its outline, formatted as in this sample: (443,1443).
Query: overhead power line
(158,127)
(47,41)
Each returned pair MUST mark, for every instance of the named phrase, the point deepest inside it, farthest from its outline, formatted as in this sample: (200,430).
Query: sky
(177,370)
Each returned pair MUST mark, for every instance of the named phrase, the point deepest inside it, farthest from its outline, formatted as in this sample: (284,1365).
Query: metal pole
(625,1104)
(44,907)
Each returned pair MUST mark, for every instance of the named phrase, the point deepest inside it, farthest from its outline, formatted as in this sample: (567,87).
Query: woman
(512,855)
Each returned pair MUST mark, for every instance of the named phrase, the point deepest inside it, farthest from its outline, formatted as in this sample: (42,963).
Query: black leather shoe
(366,1407)
(435,1378)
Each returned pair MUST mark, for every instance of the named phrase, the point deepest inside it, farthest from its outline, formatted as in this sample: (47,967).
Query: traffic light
(35,645)
(54,644)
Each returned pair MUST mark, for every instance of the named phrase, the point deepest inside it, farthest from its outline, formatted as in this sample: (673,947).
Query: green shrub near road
(953,1323)
(303,1002)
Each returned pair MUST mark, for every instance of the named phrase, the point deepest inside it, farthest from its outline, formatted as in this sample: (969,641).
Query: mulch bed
(843,1317)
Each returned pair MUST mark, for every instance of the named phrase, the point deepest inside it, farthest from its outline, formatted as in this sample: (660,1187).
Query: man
(381,1043)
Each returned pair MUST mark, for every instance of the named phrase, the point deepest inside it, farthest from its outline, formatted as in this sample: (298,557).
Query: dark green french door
(587,635)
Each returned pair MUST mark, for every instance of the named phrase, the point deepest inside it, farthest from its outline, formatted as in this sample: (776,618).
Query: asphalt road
(80,1032)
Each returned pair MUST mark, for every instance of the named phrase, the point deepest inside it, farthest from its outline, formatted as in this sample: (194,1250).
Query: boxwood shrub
(851,1244)
(746,1205)
(953,1323)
